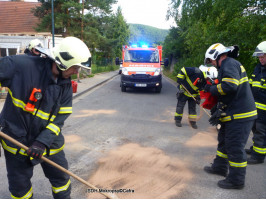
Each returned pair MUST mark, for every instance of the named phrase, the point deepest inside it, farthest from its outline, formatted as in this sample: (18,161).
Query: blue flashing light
(144,46)
(134,45)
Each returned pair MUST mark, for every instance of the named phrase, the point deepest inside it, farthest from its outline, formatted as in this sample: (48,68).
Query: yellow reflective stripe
(243,80)
(259,150)
(220,90)
(65,110)
(260,106)
(53,128)
(180,76)
(192,116)
(242,68)
(245,115)
(63,188)
(21,104)
(188,80)
(231,80)
(55,151)
(221,154)
(8,148)
(258,84)
(225,119)
(26,196)
(42,115)
(234,164)
(178,115)
(188,95)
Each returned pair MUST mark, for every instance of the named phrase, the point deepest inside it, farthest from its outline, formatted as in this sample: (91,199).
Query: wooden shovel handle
(3,135)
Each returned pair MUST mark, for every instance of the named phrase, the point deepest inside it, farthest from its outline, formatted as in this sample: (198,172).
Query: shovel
(111,196)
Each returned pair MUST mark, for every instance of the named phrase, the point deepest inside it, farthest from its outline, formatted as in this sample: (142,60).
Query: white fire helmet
(214,51)
(260,49)
(211,72)
(35,43)
(71,51)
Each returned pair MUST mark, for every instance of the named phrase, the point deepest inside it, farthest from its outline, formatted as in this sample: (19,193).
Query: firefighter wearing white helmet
(258,86)
(71,52)
(235,112)
(31,49)
(24,76)
(211,72)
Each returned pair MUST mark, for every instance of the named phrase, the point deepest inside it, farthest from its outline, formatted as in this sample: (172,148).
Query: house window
(7,52)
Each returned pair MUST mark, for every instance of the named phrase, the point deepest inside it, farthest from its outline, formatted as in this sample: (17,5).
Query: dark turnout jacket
(258,84)
(234,91)
(22,73)
(187,76)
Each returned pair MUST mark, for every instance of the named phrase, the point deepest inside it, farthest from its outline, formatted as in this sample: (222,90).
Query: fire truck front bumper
(141,80)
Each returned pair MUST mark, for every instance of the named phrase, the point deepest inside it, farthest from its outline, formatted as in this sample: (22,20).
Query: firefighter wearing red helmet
(39,125)
(235,112)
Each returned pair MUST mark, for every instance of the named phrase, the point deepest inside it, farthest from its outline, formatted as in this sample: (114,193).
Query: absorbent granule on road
(136,172)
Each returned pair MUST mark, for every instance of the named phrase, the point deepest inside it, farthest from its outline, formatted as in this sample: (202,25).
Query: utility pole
(53,21)
(82,24)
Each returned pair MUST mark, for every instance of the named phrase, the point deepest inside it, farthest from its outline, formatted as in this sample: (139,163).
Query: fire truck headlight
(157,72)
(124,71)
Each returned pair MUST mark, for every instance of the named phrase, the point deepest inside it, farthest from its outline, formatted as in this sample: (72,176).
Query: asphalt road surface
(106,118)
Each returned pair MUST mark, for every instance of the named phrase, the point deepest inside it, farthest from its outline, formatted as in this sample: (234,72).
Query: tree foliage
(146,34)
(202,23)
(90,20)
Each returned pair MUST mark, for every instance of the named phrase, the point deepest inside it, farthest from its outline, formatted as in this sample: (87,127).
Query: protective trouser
(232,138)
(19,173)
(181,102)
(259,140)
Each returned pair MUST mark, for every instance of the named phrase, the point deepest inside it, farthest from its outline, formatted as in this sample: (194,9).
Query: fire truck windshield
(142,56)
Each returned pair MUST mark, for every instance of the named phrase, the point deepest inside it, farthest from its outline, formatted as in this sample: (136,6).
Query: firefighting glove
(207,88)
(198,99)
(36,150)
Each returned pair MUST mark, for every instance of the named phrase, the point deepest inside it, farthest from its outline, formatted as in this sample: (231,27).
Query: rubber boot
(211,170)
(193,124)
(178,123)
(226,184)
(254,161)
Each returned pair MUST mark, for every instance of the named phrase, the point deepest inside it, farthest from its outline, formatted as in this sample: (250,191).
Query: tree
(204,22)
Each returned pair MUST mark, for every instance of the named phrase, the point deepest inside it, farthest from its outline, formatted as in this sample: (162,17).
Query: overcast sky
(148,12)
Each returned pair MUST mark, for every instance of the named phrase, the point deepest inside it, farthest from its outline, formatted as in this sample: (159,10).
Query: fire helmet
(211,72)
(71,51)
(260,49)
(214,51)
(35,43)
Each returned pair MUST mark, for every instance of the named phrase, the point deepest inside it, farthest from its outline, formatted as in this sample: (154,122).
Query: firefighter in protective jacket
(235,112)
(36,121)
(193,79)
(258,85)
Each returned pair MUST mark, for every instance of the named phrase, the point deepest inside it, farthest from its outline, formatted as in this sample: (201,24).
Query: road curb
(170,80)
(94,86)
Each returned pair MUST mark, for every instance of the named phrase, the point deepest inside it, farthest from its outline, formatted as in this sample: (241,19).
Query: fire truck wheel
(123,88)
(158,89)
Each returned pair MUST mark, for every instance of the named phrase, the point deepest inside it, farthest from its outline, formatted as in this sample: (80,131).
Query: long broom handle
(195,100)
(54,164)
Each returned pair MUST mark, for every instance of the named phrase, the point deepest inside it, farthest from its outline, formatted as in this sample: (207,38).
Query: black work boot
(248,151)
(253,161)
(178,123)
(226,184)
(193,124)
(211,170)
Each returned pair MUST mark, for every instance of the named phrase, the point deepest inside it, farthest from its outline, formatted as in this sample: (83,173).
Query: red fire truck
(141,67)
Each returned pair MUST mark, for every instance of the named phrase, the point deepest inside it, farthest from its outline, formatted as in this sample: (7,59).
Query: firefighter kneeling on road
(39,101)
(235,112)
(193,79)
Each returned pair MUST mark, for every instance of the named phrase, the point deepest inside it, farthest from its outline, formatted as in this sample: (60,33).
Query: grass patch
(170,75)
